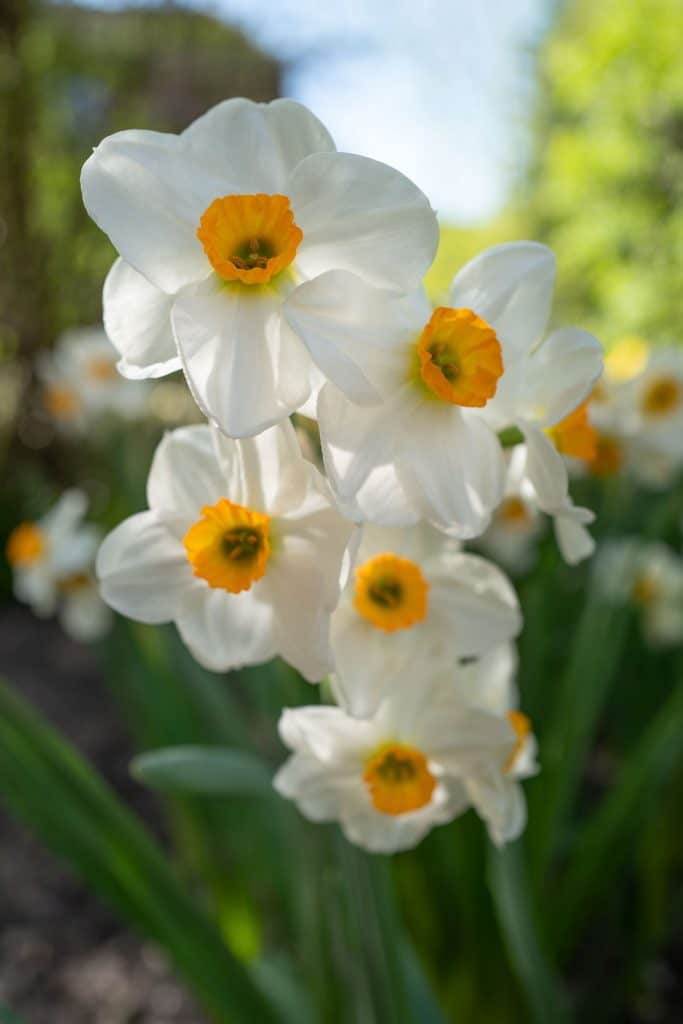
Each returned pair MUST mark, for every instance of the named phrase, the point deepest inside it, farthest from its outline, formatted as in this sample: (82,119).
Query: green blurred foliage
(606,178)
(607,181)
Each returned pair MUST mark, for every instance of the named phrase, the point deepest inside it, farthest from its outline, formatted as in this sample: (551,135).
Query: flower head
(221,227)
(242,548)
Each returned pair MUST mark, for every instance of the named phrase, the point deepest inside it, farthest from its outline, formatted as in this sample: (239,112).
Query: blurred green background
(583,920)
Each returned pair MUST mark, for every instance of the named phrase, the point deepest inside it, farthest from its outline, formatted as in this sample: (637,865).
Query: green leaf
(47,783)
(512,899)
(210,770)
(606,840)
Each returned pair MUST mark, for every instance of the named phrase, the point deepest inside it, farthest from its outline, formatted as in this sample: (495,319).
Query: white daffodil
(512,537)
(649,576)
(390,778)
(450,379)
(489,684)
(218,230)
(414,594)
(242,548)
(80,381)
(531,489)
(655,404)
(45,555)
(81,611)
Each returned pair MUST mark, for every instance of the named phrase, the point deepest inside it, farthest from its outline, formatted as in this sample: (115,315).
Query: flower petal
(225,631)
(511,287)
(545,469)
(452,468)
(142,569)
(561,373)
(257,145)
(303,584)
(147,191)
(137,319)
(359,446)
(360,215)
(246,368)
(473,601)
(185,475)
(573,539)
(358,335)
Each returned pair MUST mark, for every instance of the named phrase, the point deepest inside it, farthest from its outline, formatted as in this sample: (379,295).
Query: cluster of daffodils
(285,277)
(80,384)
(636,413)
(648,576)
(52,561)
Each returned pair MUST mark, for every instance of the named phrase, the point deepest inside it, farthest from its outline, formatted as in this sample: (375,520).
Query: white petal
(137,319)
(359,336)
(84,615)
(225,631)
(545,469)
(359,447)
(367,658)
(327,734)
(246,368)
(257,145)
(185,474)
(500,802)
(473,602)
(452,467)
(268,472)
(561,373)
(303,584)
(511,287)
(360,215)
(142,569)
(147,191)
(386,833)
(319,793)
(573,539)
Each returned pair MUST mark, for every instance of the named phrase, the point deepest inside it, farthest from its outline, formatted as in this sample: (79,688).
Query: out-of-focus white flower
(414,593)
(390,778)
(450,379)
(52,562)
(81,612)
(649,576)
(636,410)
(223,229)
(489,684)
(512,536)
(242,548)
(80,381)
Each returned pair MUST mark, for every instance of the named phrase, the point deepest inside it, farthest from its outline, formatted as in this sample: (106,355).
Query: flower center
(575,435)
(229,547)
(25,544)
(99,368)
(249,238)
(61,402)
(608,458)
(521,725)
(398,778)
(644,591)
(391,592)
(662,395)
(513,512)
(459,358)
(77,581)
